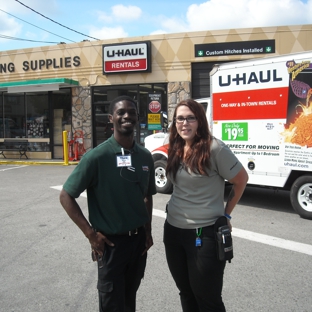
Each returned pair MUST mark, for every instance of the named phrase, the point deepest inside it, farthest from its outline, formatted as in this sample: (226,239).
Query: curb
(21,162)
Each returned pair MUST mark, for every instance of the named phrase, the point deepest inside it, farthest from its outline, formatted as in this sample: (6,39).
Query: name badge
(124,160)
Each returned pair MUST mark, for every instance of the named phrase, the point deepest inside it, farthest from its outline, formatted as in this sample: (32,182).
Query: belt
(129,233)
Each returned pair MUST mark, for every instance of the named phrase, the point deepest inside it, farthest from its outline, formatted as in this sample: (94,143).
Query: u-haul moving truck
(262,109)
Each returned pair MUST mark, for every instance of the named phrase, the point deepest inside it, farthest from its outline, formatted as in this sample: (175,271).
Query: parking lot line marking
(252,236)
(59,188)
(159,213)
(11,168)
(261,238)
(273,241)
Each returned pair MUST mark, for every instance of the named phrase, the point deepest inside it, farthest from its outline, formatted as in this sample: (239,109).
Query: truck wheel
(301,196)
(163,185)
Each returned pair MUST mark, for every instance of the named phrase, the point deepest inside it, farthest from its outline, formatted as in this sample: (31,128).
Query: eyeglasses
(188,119)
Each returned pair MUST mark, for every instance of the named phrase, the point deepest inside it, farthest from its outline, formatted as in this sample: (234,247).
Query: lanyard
(198,240)
(199,231)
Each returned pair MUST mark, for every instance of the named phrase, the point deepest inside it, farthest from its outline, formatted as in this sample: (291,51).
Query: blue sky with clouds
(102,19)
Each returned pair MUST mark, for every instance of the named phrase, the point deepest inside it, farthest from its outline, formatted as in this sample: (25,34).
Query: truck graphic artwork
(299,126)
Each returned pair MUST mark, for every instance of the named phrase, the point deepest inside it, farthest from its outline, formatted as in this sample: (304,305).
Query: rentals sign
(127,57)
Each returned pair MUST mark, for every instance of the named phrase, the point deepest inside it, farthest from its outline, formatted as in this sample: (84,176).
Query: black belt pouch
(223,240)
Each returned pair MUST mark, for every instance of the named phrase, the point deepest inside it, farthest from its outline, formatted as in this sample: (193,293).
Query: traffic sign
(154,106)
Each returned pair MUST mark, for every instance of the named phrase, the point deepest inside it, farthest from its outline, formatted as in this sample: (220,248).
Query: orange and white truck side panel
(261,109)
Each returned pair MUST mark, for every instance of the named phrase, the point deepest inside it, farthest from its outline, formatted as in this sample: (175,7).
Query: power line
(55,21)
(14,38)
(35,26)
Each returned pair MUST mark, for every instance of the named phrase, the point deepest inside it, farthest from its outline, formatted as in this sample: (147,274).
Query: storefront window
(40,117)
(37,122)
(13,117)
(103,127)
(1,116)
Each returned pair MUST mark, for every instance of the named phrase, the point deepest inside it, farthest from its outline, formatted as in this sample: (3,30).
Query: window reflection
(37,122)
(12,124)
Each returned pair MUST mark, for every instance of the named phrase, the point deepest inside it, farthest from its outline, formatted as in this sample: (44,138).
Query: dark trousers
(121,274)
(196,271)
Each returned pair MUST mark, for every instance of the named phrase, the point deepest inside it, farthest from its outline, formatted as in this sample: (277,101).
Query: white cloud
(40,6)
(221,14)
(123,20)
(227,14)
(31,35)
(104,17)
(108,32)
(173,25)
(9,26)
(12,6)
(120,13)
(159,32)
(13,27)
(126,13)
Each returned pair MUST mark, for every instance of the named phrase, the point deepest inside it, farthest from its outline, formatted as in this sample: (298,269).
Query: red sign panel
(154,107)
(251,104)
(117,66)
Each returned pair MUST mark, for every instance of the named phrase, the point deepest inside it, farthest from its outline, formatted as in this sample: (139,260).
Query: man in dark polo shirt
(120,180)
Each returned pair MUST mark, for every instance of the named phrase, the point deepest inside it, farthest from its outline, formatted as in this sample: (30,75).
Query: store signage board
(153,119)
(235,48)
(154,127)
(127,57)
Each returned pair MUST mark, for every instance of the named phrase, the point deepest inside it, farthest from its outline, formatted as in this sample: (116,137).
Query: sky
(42,23)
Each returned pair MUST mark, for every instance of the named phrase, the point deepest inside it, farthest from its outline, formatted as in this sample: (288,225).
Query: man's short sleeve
(83,176)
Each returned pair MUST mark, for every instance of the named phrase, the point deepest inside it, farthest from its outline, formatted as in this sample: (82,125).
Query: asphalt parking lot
(46,265)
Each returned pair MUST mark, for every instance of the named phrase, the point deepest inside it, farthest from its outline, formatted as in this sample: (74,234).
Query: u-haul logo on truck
(250,78)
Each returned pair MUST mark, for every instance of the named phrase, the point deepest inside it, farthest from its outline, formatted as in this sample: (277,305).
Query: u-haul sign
(127,57)
(257,92)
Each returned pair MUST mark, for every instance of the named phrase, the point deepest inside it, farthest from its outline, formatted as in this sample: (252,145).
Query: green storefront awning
(37,85)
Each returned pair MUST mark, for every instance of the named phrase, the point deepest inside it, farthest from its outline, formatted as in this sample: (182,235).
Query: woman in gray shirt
(198,165)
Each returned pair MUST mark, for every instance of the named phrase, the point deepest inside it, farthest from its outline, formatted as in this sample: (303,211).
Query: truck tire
(163,185)
(301,196)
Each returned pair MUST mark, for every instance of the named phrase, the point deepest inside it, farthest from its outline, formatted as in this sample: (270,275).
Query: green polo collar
(116,147)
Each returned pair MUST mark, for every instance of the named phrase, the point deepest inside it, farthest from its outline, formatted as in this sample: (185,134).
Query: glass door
(62,120)
(103,129)
(142,94)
